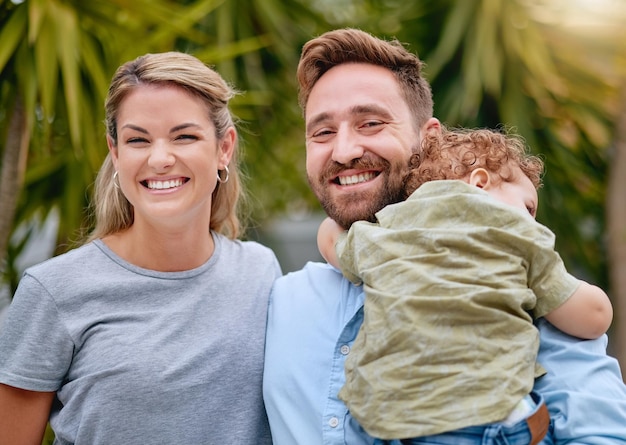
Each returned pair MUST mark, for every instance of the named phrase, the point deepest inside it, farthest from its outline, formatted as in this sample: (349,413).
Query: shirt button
(333,422)
(345,349)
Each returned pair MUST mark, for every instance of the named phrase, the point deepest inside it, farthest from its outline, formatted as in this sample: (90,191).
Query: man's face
(359,138)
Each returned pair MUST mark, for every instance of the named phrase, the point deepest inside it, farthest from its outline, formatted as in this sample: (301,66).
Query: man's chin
(347,214)
(361,204)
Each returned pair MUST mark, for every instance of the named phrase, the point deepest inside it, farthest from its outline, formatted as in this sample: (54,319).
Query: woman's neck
(163,250)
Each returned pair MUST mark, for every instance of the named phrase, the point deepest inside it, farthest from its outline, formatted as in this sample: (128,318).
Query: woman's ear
(112,150)
(227,147)
(480,178)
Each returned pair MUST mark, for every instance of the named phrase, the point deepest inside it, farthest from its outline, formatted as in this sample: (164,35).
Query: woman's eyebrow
(135,127)
(183,127)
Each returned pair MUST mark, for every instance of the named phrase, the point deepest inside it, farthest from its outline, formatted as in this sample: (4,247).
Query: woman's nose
(161,156)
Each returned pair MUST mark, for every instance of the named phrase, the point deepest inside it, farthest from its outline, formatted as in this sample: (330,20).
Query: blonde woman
(152,332)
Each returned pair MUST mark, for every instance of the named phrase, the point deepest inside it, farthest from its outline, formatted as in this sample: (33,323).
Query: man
(366,108)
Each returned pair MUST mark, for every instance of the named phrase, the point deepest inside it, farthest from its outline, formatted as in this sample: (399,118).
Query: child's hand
(327,236)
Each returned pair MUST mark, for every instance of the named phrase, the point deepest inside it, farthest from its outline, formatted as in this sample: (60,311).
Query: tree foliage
(56,60)
(526,65)
(512,63)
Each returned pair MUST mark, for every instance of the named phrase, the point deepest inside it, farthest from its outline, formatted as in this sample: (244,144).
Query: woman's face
(167,155)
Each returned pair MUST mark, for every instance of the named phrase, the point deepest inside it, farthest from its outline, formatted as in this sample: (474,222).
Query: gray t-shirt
(144,357)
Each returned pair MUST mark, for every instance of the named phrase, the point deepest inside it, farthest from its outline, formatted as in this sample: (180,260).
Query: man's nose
(161,156)
(346,146)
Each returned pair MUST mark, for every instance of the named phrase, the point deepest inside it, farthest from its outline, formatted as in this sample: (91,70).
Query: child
(451,276)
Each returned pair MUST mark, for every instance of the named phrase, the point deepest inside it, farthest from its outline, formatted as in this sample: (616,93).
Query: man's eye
(322,135)
(324,132)
(372,127)
(370,124)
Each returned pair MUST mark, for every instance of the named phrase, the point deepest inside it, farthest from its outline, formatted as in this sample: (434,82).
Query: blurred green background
(552,70)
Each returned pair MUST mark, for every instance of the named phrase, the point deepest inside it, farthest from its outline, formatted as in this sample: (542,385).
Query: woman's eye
(189,137)
(136,140)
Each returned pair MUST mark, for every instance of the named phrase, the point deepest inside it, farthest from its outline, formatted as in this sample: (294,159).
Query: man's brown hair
(355,46)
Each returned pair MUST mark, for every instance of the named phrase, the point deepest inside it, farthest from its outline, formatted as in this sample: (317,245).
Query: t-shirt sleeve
(346,254)
(35,347)
(547,275)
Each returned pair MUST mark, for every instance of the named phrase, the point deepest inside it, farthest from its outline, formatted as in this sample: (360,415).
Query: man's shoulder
(314,282)
(311,273)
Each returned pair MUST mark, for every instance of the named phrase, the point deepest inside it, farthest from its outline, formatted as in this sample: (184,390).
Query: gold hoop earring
(224,180)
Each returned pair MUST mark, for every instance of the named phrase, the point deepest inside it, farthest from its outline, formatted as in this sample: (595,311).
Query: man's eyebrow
(316,120)
(356,110)
(371,109)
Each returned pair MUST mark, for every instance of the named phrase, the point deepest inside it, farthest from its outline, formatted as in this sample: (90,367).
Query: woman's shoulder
(81,255)
(248,247)
(246,252)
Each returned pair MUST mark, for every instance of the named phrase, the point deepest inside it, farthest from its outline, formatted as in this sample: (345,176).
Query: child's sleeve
(547,275)
(345,248)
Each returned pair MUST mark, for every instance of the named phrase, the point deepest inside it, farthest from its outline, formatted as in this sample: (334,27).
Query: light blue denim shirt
(583,388)
(314,317)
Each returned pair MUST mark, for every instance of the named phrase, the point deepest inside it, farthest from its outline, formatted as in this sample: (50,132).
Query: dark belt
(538,424)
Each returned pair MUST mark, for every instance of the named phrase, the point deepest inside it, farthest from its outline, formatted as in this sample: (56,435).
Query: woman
(152,331)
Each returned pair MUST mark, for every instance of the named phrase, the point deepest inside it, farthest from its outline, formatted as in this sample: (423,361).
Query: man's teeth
(355,179)
(159,185)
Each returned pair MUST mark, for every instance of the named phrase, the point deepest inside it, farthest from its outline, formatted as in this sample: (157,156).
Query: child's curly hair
(454,154)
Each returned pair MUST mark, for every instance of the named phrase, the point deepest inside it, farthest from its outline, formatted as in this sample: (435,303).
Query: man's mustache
(366,162)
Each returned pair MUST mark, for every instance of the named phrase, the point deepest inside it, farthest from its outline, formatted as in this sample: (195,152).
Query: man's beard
(360,206)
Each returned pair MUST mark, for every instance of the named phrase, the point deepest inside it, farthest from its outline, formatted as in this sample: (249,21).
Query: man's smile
(356,179)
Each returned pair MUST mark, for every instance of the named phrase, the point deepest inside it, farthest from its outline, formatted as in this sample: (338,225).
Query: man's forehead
(354,83)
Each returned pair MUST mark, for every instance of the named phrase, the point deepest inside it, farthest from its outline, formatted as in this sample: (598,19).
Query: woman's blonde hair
(112,211)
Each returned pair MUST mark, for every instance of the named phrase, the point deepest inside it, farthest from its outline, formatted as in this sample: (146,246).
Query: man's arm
(583,389)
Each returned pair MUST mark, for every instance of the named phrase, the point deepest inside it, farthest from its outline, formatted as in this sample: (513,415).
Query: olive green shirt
(451,277)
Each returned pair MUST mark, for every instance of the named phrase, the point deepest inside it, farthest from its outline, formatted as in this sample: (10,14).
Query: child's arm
(327,236)
(586,314)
